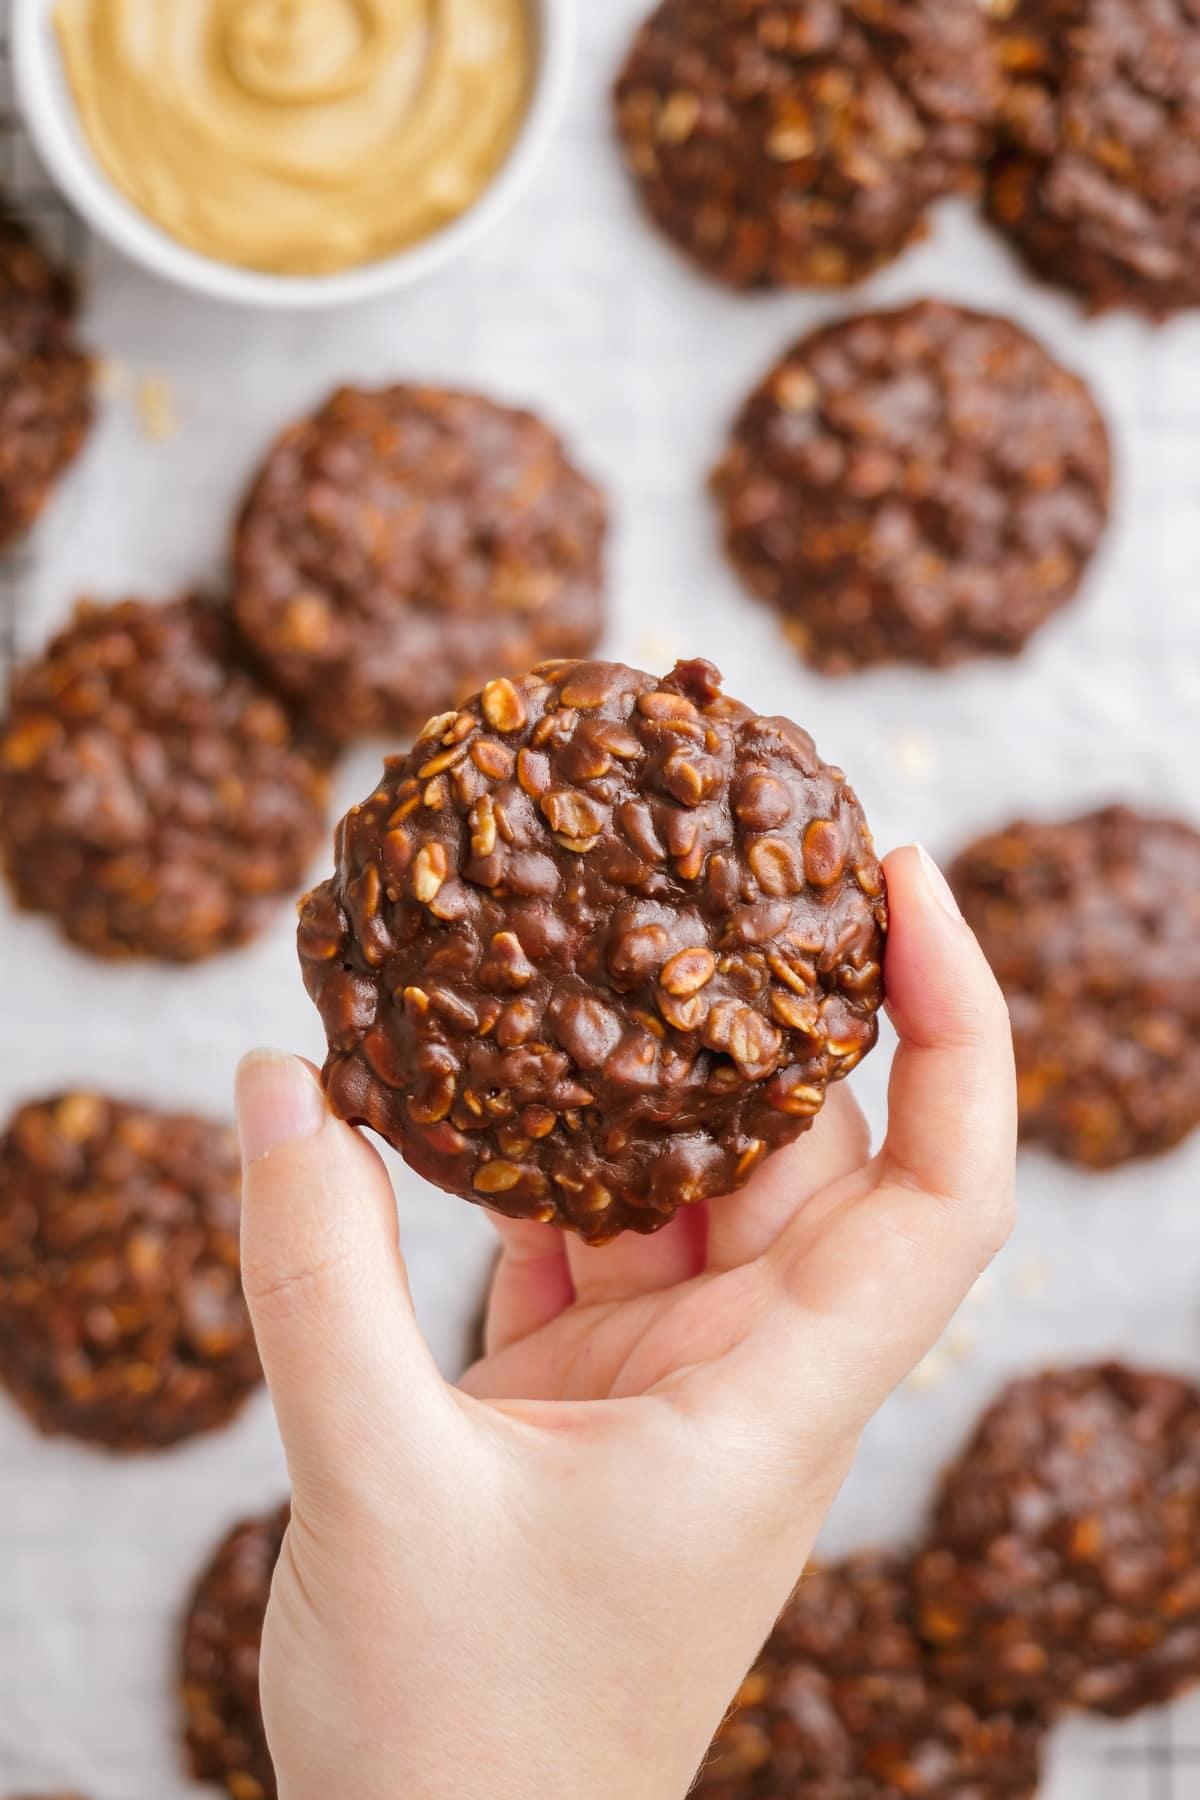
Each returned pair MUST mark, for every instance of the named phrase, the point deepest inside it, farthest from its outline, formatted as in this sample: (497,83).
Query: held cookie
(844,1704)
(919,486)
(45,379)
(1093,930)
(597,945)
(801,141)
(1063,1568)
(121,1311)
(1097,181)
(222,1637)
(399,547)
(155,799)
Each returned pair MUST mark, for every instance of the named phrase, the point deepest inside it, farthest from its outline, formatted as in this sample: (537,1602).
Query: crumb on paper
(112,377)
(658,649)
(157,408)
(915,755)
(960,1341)
(1032,1278)
(929,1373)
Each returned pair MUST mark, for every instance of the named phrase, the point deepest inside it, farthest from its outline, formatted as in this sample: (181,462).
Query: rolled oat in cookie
(155,798)
(1097,178)
(921,485)
(597,944)
(45,378)
(222,1636)
(1092,926)
(1062,1568)
(844,1703)
(800,141)
(400,546)
(121,1312)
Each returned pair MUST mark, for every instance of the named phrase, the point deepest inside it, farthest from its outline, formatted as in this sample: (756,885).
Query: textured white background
(578,308)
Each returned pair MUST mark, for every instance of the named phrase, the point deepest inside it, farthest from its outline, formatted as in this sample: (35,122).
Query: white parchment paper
(578,308)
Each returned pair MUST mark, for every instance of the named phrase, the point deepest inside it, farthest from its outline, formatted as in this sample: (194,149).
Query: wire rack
(1156,1759)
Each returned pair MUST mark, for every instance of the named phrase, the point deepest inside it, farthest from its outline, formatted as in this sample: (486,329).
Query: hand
(549,1581)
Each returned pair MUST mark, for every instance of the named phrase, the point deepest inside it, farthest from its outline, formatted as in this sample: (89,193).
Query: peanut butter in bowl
(299,137)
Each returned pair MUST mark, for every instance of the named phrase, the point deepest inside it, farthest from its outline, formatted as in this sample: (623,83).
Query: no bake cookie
(222,1637)
(1062,1569)
(801,141)
(597,945)
(121,1312)
(1097,181)
(45,378)
(401,546)
(921,485)
(844,1704)
(155,798)
(1092,926)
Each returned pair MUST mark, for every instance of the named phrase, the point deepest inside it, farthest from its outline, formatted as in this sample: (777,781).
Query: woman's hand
(549,1581)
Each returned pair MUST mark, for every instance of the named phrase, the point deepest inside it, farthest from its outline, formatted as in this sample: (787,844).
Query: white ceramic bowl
(48,108)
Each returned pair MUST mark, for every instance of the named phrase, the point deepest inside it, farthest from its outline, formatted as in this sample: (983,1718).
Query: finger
(633,1264)
(323,1277)
(532,1283)
(745,1224)
(871,1276)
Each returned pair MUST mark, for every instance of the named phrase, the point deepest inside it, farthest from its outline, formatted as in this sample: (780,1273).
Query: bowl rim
(48,111)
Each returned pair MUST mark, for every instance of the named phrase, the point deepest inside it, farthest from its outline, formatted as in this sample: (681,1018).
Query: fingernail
(939,888)
(278,1101)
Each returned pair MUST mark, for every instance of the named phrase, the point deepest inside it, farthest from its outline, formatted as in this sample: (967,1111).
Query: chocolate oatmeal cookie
(1093,929)
(45,379)
(597,945)
(801,141)
(843,1704)
(1063,1567)
(222,1637)
(1097,181)
(921,486)
(155,798)
(400,547)
(121,1311)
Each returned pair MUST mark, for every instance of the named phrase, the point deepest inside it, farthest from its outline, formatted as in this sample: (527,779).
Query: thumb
(349,1373)
(952,1106)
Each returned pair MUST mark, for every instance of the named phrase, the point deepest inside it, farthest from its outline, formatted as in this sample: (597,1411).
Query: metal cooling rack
(1163,1761)
(1160,1768)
